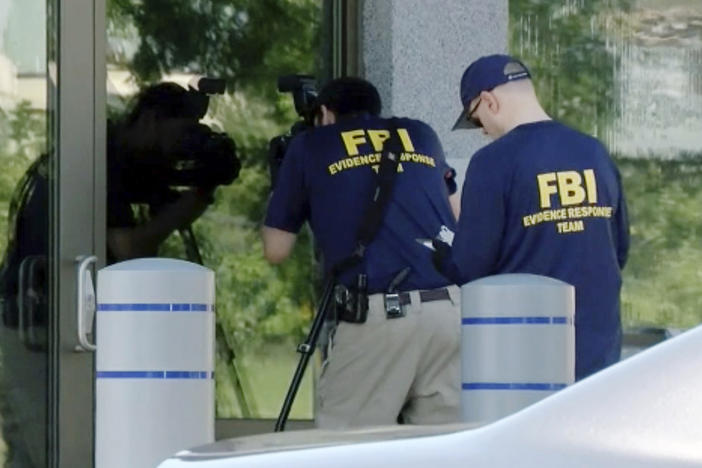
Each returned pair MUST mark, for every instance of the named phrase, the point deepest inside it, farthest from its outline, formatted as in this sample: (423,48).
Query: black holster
(351,303)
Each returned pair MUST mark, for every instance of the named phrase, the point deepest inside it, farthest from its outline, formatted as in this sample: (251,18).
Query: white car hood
(310,439)
(645,411)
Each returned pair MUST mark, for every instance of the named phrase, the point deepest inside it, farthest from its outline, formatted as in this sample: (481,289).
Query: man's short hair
(350,95)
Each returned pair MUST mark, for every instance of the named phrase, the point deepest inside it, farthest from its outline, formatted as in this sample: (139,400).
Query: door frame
(77,86)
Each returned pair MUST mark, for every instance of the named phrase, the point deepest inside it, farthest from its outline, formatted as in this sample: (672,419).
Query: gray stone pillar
(415,52)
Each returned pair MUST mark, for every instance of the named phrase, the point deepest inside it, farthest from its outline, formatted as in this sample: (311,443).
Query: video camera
(304,91)
(200,157)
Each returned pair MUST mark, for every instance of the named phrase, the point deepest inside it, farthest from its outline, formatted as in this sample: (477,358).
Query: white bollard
(518,343)
(155,361)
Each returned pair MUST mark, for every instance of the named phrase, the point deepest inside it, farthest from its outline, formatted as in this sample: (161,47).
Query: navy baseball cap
(485,74)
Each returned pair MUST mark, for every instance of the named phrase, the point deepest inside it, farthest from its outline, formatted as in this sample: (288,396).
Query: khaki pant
(385,368)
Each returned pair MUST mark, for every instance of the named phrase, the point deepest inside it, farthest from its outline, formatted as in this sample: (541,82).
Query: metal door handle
(86,303)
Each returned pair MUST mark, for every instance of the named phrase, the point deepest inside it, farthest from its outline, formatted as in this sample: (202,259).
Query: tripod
(306,350)
(370,225)
(192,252)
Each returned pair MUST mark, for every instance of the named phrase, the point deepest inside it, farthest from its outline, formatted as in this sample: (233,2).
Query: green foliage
(564,46)
(249,43)
(22,140)
(265,388)
(661,279)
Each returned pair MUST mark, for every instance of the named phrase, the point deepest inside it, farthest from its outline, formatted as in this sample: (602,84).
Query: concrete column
(415,52)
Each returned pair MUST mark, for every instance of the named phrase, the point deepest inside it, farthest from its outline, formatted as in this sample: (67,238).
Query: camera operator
(400,362)
(158,146)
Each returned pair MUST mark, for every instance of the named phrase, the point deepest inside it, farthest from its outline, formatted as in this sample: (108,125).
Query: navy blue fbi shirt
(546,199)
(327,178)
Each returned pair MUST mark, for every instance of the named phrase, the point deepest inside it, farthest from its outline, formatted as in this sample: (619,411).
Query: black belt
(429,295)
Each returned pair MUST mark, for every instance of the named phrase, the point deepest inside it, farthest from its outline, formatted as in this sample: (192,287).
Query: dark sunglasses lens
(474,120)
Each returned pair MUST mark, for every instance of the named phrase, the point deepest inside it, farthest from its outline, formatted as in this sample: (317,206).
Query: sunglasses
(474,120)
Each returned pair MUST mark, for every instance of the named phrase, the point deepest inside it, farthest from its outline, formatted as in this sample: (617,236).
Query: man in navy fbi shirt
(400,363)
(542,199)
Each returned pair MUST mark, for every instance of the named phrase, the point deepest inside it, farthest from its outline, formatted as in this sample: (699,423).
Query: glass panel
(627,71)
(24,232)
(262,311)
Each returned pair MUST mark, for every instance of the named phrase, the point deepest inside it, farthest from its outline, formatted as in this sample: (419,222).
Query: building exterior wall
(415,52)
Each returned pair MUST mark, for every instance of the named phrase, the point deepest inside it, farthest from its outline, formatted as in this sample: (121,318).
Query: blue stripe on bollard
(129,374)
(154,307)
(515,320)
(134,307)
(185,375)
(512,386)
(200,375)
(537,320)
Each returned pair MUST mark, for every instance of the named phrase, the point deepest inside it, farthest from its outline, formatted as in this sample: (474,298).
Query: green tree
(661,282)
(564,46)
(247,42)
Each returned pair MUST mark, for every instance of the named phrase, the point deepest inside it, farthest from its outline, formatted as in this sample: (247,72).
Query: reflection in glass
(627,71)
(24,233)
(261,310)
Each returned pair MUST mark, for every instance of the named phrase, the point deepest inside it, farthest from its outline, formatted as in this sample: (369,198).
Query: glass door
(25,186)
(49,142)
(262,311)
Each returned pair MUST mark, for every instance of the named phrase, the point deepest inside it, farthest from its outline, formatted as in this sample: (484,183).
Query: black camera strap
(387,170)
(377,205)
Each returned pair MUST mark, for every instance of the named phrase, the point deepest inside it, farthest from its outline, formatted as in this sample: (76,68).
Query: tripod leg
(248,407)
(193,253)
(306,350)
